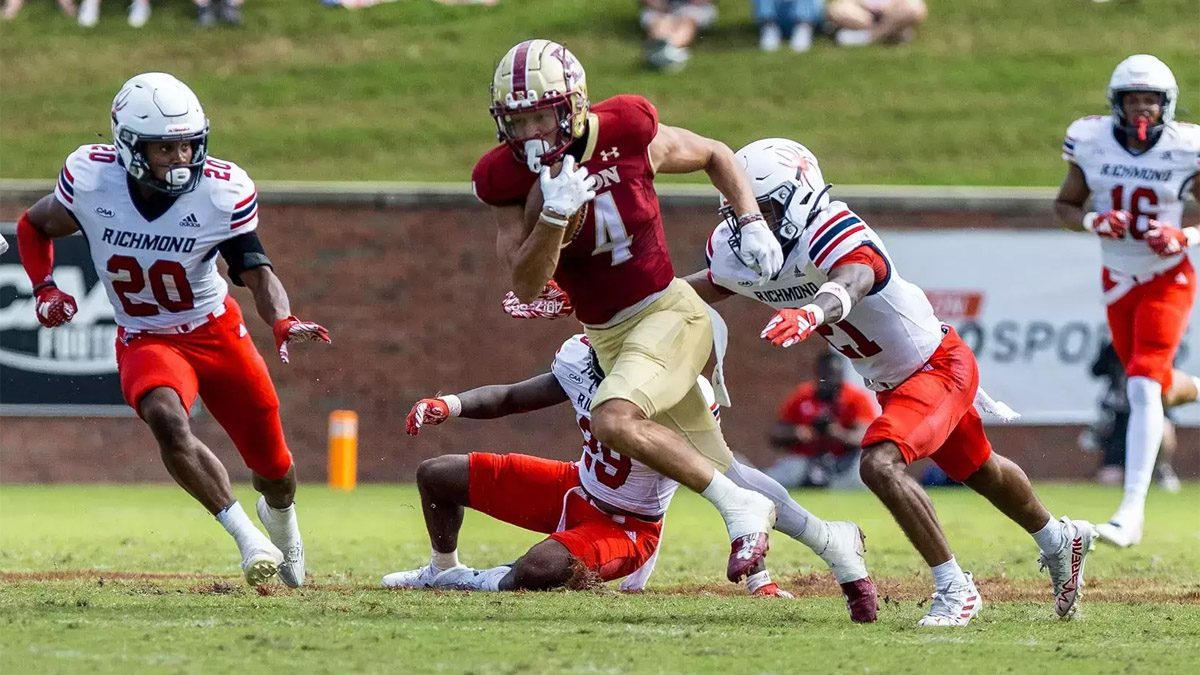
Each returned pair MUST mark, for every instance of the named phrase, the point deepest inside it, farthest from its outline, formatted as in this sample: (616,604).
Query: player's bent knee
(547,565)
(880,461)
(445,476)
(611,422)
(163,412)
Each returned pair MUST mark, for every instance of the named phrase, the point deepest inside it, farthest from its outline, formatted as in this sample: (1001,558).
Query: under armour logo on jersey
(610,155)
(189,221)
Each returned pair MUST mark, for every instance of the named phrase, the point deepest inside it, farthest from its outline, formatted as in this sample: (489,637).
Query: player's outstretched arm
(487,402)
(45,221)
(705,288)
(271,301)
(847,285)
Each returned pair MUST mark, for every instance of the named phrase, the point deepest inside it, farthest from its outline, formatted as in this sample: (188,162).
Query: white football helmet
(535,75)
(788,185)
(1143,72)
(158,107)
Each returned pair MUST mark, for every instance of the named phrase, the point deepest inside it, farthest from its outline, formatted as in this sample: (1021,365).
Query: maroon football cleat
(862,600)
(745,554)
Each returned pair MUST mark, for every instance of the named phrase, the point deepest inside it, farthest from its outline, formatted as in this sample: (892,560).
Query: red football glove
(792,326)
(551,303)
(1165,240)
(292,329)
(426,411)
(1111,225)
(53,307)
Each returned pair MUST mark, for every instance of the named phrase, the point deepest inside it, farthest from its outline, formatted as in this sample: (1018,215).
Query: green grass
(136,578)
(399,92)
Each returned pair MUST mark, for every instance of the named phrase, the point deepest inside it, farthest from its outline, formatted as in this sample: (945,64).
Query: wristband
(553,221)
(44,284)
(749,219)
(1191,236)
(817,312)
(1089,221)
(452,404)
(838,291)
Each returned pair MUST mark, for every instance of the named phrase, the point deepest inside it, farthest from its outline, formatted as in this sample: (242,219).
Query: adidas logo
(189,221)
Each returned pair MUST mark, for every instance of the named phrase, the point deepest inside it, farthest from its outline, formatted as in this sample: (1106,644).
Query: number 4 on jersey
(610,230)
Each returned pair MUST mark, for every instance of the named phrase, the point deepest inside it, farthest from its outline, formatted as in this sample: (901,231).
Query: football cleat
(748,524)
(862,600)
(1120,534)
(1066,565)
(844,553)
(422,577)
(261,563)
(771,590)
(954,605)
(285,533)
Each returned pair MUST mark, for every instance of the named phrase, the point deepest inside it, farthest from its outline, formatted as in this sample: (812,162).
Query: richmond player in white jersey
(1138,165)
(838,282)
(603,512)
(156,210)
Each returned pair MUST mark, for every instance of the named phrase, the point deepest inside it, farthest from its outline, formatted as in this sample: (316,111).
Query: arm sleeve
(243,252)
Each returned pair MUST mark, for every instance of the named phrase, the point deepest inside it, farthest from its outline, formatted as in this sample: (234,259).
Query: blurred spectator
(89,12)
(671,26)
(791,20)
(11,7)
(821,427)
(1107,434)
(209,12)
(861,22)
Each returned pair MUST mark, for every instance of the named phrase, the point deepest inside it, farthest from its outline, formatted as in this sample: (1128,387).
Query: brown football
(533,209)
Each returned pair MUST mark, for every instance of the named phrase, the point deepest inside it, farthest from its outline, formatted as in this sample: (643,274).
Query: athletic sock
(757,581)
(793,519)
(1050,538)
(1143,439)
(443,561)
(238,525)
(947,574)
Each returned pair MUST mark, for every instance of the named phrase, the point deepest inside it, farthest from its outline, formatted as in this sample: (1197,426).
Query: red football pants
(1148,322)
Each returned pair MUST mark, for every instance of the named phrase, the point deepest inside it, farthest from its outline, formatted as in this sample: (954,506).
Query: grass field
(120,579)
(399,92)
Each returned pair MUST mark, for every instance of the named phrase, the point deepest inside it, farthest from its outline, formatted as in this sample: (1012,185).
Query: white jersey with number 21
(158,273)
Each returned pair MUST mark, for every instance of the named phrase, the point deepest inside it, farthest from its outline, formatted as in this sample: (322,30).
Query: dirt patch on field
(994,589)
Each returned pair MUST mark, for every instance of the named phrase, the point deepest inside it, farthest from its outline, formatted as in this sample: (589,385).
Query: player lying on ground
(838,282)
(595,227)
(604,513)
(156,210)
(1138,165)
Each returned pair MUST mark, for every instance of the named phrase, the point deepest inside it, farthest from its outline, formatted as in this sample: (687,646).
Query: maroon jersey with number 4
(619,257)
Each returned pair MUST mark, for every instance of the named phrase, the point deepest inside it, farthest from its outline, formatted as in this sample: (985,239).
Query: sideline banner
(1028,303)
(70,370)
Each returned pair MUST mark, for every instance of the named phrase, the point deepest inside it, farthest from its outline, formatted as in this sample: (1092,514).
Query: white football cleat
(285,533)
(422,577)
(954,606)
(1066,565)
(844,552)
(261,563)
(1120,534)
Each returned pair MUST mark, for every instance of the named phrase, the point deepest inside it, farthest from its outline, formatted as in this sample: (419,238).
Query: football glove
(1166,240)
(426,411)
(793,326)
(562,195)
(550,304)
(291,329)
(1111,225)
(759,250)
(53,307)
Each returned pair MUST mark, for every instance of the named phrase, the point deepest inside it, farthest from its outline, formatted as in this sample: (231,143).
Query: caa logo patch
(574,378)
(106,213)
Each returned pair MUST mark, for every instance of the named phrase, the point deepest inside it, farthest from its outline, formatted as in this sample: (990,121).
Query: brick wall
(411,297)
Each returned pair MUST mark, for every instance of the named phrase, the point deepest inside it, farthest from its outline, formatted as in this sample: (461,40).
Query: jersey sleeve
(233,192)
(572,357)
(1079,133)
(639,119)
(498,180)
(81,172)
(835,234)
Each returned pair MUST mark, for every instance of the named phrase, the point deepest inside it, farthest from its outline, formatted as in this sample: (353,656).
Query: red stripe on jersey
(833,247)
(520,64)
(243,221)
(63,193)
(245,201)
(708,245)
(67,173)
(832,221)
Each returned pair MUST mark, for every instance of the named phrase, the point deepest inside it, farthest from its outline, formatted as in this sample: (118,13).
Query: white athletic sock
(757,581)
(947,574)
(794,520)
(1050,538)
(1141,445)
(443,561)
(721,491)
(238,525)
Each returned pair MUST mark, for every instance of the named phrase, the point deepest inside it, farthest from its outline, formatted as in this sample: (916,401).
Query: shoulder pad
(573,352)
(499,180)
(84,168)
(1189,136)
(232,191)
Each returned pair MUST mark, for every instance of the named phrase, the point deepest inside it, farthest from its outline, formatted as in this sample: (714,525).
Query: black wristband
(43,285)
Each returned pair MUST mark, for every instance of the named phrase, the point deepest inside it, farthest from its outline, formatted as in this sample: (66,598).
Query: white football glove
(760,250)
(564,194)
